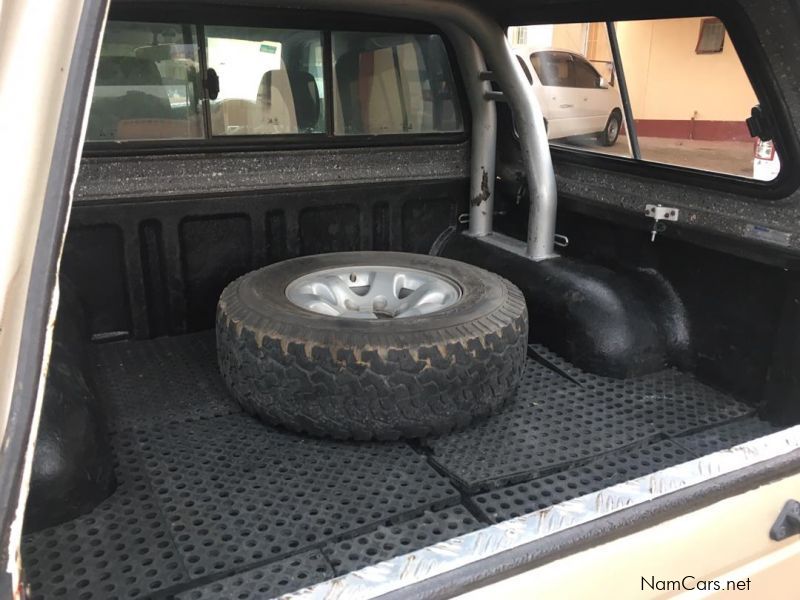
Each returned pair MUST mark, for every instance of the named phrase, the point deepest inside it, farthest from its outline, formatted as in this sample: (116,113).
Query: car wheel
(371,345)
(609,135)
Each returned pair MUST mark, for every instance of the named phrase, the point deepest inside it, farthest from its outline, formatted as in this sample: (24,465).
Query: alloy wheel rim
(613,128)
(373,292)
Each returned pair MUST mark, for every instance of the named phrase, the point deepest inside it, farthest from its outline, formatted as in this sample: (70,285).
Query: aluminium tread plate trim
(445,557)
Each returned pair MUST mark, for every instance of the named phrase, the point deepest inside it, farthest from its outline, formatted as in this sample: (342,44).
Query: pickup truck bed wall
(175,230)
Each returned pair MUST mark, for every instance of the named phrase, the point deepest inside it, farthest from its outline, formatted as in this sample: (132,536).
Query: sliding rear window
(269,81)
(147,84)
(392,83)
(173,81)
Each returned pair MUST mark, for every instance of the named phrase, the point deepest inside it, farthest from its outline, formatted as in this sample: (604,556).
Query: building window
(518,35)
(712,36)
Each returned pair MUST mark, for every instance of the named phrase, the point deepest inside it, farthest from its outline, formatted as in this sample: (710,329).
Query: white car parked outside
(575,98)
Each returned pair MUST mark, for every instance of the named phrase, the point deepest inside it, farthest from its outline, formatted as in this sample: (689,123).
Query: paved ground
(735,158)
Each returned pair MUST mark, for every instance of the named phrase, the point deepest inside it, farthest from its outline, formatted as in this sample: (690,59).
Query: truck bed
(212,503)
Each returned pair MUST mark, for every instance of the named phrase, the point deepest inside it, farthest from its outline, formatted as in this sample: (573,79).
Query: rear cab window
(392,83)
(147,83)
(194,82)
(267,81)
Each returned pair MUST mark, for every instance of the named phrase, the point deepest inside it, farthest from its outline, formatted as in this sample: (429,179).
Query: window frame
(525,69)
(324,22)
(756,65)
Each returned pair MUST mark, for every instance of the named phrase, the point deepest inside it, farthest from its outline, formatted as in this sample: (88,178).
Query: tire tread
(412,385)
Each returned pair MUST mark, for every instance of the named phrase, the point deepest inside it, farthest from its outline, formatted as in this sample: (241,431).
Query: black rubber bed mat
(212,503)
(561,416)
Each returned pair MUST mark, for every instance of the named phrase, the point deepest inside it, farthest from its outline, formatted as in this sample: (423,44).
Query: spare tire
(371,345)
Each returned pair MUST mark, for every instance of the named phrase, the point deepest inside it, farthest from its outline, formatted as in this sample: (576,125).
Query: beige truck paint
(726,541)
(36,45)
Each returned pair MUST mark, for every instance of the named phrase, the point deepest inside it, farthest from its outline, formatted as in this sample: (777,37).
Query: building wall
(598,51)
(676,92)
(597,46)
(571,36)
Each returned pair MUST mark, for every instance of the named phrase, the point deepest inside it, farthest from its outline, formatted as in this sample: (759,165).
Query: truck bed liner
(211,503)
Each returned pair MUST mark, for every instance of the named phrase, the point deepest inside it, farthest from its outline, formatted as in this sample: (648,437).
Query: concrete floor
(734,158)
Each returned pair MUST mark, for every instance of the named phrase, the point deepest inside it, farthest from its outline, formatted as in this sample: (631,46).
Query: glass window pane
(270,81)
(690,108)
(584,74)
(553,68)
(146,86)
(393,83)
(575,84)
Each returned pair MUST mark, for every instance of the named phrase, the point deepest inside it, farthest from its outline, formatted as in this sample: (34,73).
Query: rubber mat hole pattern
(555,423)
(389,541)
(617,467)
(286,493)
(121,549)
(268,581)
